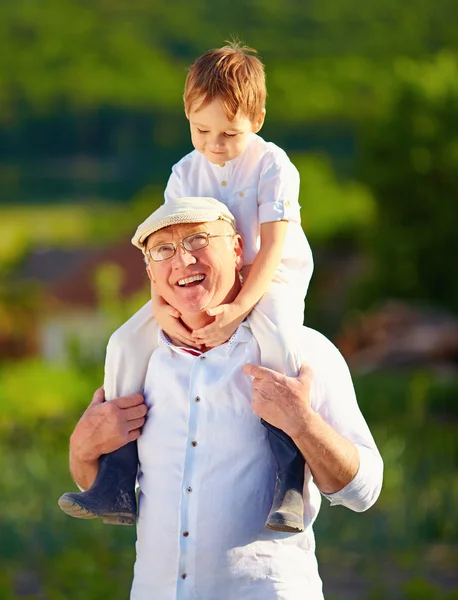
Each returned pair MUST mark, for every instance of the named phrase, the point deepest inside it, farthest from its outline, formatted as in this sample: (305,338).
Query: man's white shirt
(207,476)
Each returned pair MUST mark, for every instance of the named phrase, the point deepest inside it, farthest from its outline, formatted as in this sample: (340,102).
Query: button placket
(197,383)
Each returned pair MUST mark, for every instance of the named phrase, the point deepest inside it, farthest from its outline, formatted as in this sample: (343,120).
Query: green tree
(410,161)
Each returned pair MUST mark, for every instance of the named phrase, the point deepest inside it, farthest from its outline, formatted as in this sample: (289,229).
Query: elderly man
(207,473)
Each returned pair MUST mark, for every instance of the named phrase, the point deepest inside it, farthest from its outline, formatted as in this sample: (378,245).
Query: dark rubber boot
(287,512)
(112,495)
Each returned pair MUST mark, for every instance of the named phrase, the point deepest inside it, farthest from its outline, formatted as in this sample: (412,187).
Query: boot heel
(119,520)
(112,496)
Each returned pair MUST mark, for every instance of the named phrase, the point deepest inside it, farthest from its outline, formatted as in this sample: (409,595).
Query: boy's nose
(218,141)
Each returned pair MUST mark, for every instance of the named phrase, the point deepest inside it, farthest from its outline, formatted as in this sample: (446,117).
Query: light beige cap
(182,210)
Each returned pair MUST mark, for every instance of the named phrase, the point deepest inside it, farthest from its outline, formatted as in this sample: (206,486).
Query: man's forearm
(332,459)
(82,471)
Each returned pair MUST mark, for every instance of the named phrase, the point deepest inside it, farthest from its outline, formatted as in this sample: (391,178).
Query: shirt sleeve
(173,189)
(278,190)
(335,401)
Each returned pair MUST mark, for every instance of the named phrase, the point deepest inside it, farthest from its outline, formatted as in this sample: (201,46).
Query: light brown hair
(233,75)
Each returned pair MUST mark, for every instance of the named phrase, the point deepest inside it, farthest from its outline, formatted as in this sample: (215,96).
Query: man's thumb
(99,396)
(305,372)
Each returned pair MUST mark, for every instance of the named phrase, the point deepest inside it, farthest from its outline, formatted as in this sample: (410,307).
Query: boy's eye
(230,134)
(201,130)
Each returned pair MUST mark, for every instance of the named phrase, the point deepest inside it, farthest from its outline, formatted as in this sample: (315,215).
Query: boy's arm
(229,316)
(264,266)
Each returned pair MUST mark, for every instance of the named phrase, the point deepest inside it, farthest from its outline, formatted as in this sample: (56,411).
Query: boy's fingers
(201,333)
(187,340)
(218,310)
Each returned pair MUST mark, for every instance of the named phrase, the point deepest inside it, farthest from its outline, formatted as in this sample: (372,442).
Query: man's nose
(183,257)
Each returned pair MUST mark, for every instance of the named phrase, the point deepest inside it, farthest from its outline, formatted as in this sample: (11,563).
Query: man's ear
(150,274)
(259,121)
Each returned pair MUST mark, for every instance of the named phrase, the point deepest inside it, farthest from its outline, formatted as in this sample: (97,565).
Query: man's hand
(106,426)
(281,401)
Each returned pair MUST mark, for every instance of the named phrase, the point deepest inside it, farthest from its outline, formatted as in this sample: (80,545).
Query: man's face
(217,138)
(192,282)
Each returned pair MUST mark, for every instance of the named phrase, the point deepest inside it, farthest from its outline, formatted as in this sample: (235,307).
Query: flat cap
(182,210)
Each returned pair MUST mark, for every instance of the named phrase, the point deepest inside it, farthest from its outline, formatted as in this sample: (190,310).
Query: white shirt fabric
(207,476)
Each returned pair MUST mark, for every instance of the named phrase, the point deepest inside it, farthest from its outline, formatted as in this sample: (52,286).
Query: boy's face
(217,138)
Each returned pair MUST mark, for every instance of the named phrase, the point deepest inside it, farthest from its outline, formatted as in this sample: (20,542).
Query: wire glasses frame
(191,243)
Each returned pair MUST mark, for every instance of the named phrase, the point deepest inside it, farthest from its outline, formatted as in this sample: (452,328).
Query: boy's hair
(232,74)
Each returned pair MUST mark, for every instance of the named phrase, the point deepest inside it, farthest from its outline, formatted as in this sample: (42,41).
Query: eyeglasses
(191,243)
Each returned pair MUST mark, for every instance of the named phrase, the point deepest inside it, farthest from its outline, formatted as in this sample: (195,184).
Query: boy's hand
(227,318)
(169,320)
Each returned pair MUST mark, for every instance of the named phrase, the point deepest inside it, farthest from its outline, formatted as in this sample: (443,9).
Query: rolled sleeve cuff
(364,489)
(278,211)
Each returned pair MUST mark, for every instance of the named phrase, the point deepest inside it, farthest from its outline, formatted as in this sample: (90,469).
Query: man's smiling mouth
(190,280)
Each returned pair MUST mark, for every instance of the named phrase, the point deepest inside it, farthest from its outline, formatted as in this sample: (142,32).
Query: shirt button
(194,444)
(185,533)
(189,489)
(287,203)
(202,357)
(224,183)
(241,194)
(197,399)
(184,575)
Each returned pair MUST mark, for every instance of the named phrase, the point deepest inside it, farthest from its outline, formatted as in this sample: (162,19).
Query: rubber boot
(112,495)
(287,512)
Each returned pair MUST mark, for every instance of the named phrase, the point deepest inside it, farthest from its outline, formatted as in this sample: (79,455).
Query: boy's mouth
(190,281)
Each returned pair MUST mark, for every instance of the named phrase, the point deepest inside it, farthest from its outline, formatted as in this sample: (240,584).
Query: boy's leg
(112,495)
(287,511)
(278,343)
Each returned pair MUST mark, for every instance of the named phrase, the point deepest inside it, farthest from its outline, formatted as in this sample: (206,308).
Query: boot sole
(284,527)
(73,509)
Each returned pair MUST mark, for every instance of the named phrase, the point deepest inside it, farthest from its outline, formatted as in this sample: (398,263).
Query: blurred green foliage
(409,160)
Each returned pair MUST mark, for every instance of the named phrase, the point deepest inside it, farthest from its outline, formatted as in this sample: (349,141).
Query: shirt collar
(241,335)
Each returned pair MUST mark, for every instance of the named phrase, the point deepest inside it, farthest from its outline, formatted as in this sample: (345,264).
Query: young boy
(224,101)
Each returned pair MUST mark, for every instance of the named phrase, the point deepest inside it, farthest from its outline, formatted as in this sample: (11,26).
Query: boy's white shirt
(259,186)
